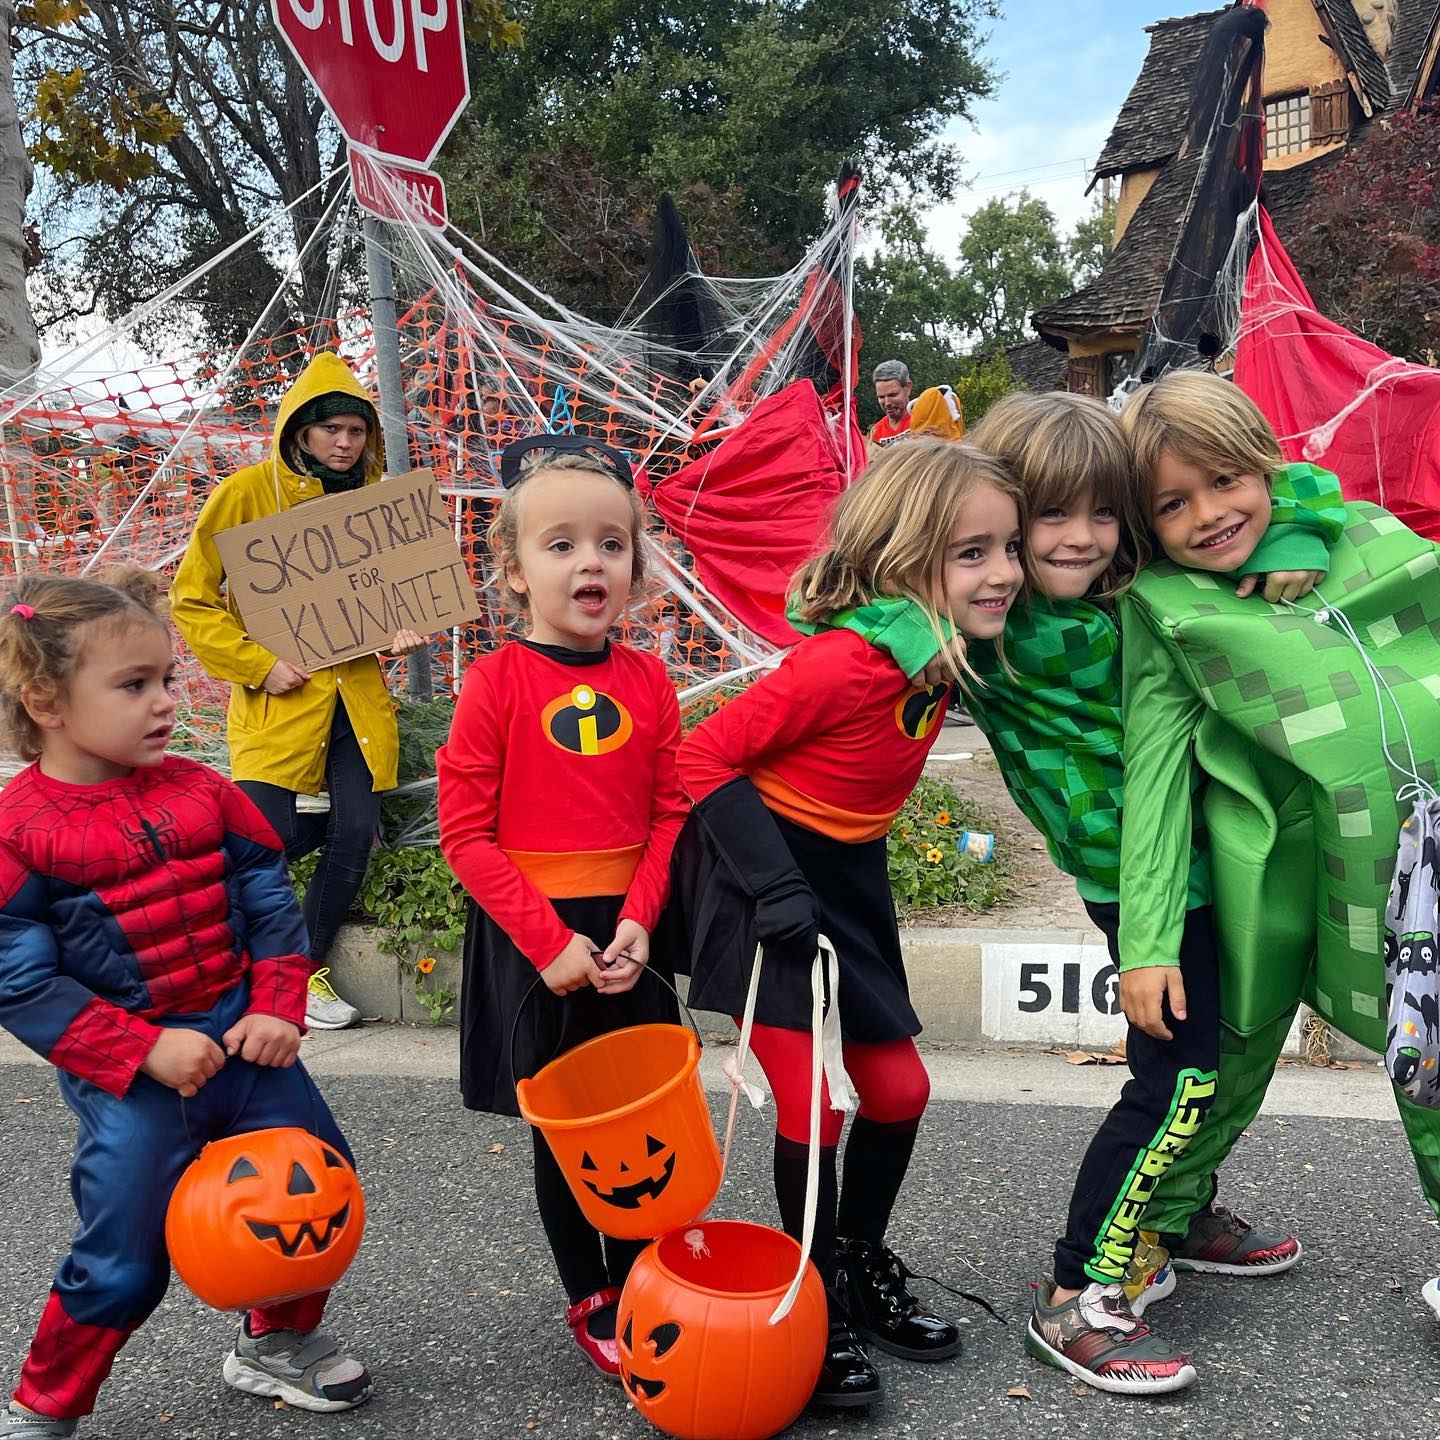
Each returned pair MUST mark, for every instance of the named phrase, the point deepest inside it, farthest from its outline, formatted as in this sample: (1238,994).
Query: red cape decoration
(753,509)
(1335,399)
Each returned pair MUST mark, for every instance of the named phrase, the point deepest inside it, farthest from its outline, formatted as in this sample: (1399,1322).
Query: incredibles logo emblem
(920,711)
(585,722)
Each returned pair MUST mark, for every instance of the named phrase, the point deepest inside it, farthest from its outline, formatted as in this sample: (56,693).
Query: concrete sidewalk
(975,1074)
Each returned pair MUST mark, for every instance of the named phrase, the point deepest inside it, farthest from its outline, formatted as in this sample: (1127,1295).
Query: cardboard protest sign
(337,577)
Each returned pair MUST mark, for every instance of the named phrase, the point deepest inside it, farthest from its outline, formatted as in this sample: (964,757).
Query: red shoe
(604,1355)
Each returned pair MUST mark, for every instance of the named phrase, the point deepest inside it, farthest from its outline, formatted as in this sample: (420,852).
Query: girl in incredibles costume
(559,807)
(1052,710)
(1280,708)
(796,783)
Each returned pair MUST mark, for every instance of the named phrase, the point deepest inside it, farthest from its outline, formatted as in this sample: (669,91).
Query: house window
(1287,124)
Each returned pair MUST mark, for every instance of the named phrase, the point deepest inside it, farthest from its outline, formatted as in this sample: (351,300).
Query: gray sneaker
(324,1009)
(16,1422)
(307,1370)
(1096,1337)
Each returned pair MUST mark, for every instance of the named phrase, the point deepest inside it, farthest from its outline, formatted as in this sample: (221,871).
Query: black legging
(345,834)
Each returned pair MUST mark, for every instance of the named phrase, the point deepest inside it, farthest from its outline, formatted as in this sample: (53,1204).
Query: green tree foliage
(742,108)
(1368,242)
(1011,263)
(952,322)
(1089,247)
(165,130)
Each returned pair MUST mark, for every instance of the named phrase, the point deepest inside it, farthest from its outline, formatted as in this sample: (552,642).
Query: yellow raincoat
(280,739)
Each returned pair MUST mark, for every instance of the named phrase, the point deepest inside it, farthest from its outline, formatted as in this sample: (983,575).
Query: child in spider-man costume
(152,950)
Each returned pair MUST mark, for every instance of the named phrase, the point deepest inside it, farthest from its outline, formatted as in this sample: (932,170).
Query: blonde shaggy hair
(889,532)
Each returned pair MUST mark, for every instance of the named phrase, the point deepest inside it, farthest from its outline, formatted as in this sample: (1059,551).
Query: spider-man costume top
(141,897)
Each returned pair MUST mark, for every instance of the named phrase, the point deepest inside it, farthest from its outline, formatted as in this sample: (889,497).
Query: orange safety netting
(115,469)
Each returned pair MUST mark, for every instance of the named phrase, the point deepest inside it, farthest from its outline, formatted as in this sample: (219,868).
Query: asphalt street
(454,1305)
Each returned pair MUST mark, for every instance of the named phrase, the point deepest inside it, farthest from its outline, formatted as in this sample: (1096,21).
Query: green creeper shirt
(1055,725)
(1277,707)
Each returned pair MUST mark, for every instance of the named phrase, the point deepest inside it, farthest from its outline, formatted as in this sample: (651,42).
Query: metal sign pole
(392,396)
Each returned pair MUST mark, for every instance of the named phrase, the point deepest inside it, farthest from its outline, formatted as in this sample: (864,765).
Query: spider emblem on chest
(161,836)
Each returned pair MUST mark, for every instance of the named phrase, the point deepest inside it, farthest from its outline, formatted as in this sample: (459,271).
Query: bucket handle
(539,980)
(825,1060)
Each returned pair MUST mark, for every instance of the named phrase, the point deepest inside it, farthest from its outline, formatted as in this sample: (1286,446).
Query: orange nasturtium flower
(425,964)
(943,818)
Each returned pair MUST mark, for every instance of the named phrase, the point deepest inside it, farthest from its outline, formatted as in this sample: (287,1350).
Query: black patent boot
(872,1284)
(847,1377)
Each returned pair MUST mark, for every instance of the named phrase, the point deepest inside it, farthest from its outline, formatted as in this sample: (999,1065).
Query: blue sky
(1067,66)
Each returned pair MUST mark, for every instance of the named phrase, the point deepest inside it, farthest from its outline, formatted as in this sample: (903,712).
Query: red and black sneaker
(1221,1243)
(1096,1338)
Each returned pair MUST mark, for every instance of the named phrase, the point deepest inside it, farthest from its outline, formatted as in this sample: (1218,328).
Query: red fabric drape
(754,508)
(1335,399)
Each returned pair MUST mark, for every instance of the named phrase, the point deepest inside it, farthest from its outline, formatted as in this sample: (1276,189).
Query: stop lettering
(392,72)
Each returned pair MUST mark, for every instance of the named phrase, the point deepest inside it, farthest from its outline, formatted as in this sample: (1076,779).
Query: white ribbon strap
(825,1060)
(734,1067)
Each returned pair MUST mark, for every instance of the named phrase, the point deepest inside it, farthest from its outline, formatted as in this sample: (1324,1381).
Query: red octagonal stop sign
(392,72)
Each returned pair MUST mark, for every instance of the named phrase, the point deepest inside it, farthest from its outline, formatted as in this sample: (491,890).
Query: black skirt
(852,888)
(498,979)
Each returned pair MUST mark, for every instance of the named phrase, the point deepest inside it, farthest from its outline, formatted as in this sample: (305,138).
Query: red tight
(890,1080)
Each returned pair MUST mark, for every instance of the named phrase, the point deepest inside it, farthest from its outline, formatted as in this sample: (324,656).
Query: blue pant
(128,1158)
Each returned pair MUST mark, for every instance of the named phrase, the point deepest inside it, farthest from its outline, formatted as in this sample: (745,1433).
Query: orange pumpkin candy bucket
(264,1216)
(701,1355)
(625,1116)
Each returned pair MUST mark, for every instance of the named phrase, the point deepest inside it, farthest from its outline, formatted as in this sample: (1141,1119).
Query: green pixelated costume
(1277,709)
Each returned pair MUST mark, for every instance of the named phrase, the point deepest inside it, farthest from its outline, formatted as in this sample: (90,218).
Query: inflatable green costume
(1281,708)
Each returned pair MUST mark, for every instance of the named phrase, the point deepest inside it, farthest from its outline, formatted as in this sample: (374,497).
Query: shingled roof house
(1332,69)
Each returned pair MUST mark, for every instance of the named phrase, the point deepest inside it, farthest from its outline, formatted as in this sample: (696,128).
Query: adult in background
(892,390)
(291,729)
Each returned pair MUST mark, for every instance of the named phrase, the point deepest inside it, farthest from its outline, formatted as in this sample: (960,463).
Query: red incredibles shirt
(124,902)
(835,739)
(558,781)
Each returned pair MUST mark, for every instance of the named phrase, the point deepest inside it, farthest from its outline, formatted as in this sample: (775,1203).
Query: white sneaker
(308,1370)
(17,1422)
(324,1009)
(1431,1296)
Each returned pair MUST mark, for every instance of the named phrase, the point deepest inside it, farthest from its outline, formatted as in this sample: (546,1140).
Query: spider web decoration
(107,468)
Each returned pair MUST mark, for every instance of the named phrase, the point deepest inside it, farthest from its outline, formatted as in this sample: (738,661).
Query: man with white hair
(892,390)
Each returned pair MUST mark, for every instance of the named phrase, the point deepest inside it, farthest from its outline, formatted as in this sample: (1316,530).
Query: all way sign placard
(337,577)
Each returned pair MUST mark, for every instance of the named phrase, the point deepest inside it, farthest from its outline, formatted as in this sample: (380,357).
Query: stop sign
(392,72)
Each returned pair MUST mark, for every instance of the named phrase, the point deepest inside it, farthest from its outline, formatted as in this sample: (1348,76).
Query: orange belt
(570,875)
(849,826)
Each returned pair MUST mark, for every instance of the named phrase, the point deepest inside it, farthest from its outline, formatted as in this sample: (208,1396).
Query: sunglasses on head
(513,456)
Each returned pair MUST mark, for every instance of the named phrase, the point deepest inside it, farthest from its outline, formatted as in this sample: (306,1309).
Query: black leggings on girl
(346,832)
(586,1260)
(893,1089)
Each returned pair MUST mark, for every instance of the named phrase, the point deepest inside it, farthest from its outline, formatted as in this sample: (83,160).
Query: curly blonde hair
(47,624)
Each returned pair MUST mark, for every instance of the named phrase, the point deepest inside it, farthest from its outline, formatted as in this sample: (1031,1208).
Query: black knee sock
(574,1241)
(876,1158)
(790,1166)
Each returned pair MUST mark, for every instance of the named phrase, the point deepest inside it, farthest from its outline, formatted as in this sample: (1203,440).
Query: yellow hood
(328,374)
(937,412)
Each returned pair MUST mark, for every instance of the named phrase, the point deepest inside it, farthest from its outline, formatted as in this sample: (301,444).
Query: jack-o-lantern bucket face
(628,1187)
(627,1122)
(698,1355)
(264,1217)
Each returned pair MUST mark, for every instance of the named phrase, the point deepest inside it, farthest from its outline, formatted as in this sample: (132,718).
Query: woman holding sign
(290,730)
